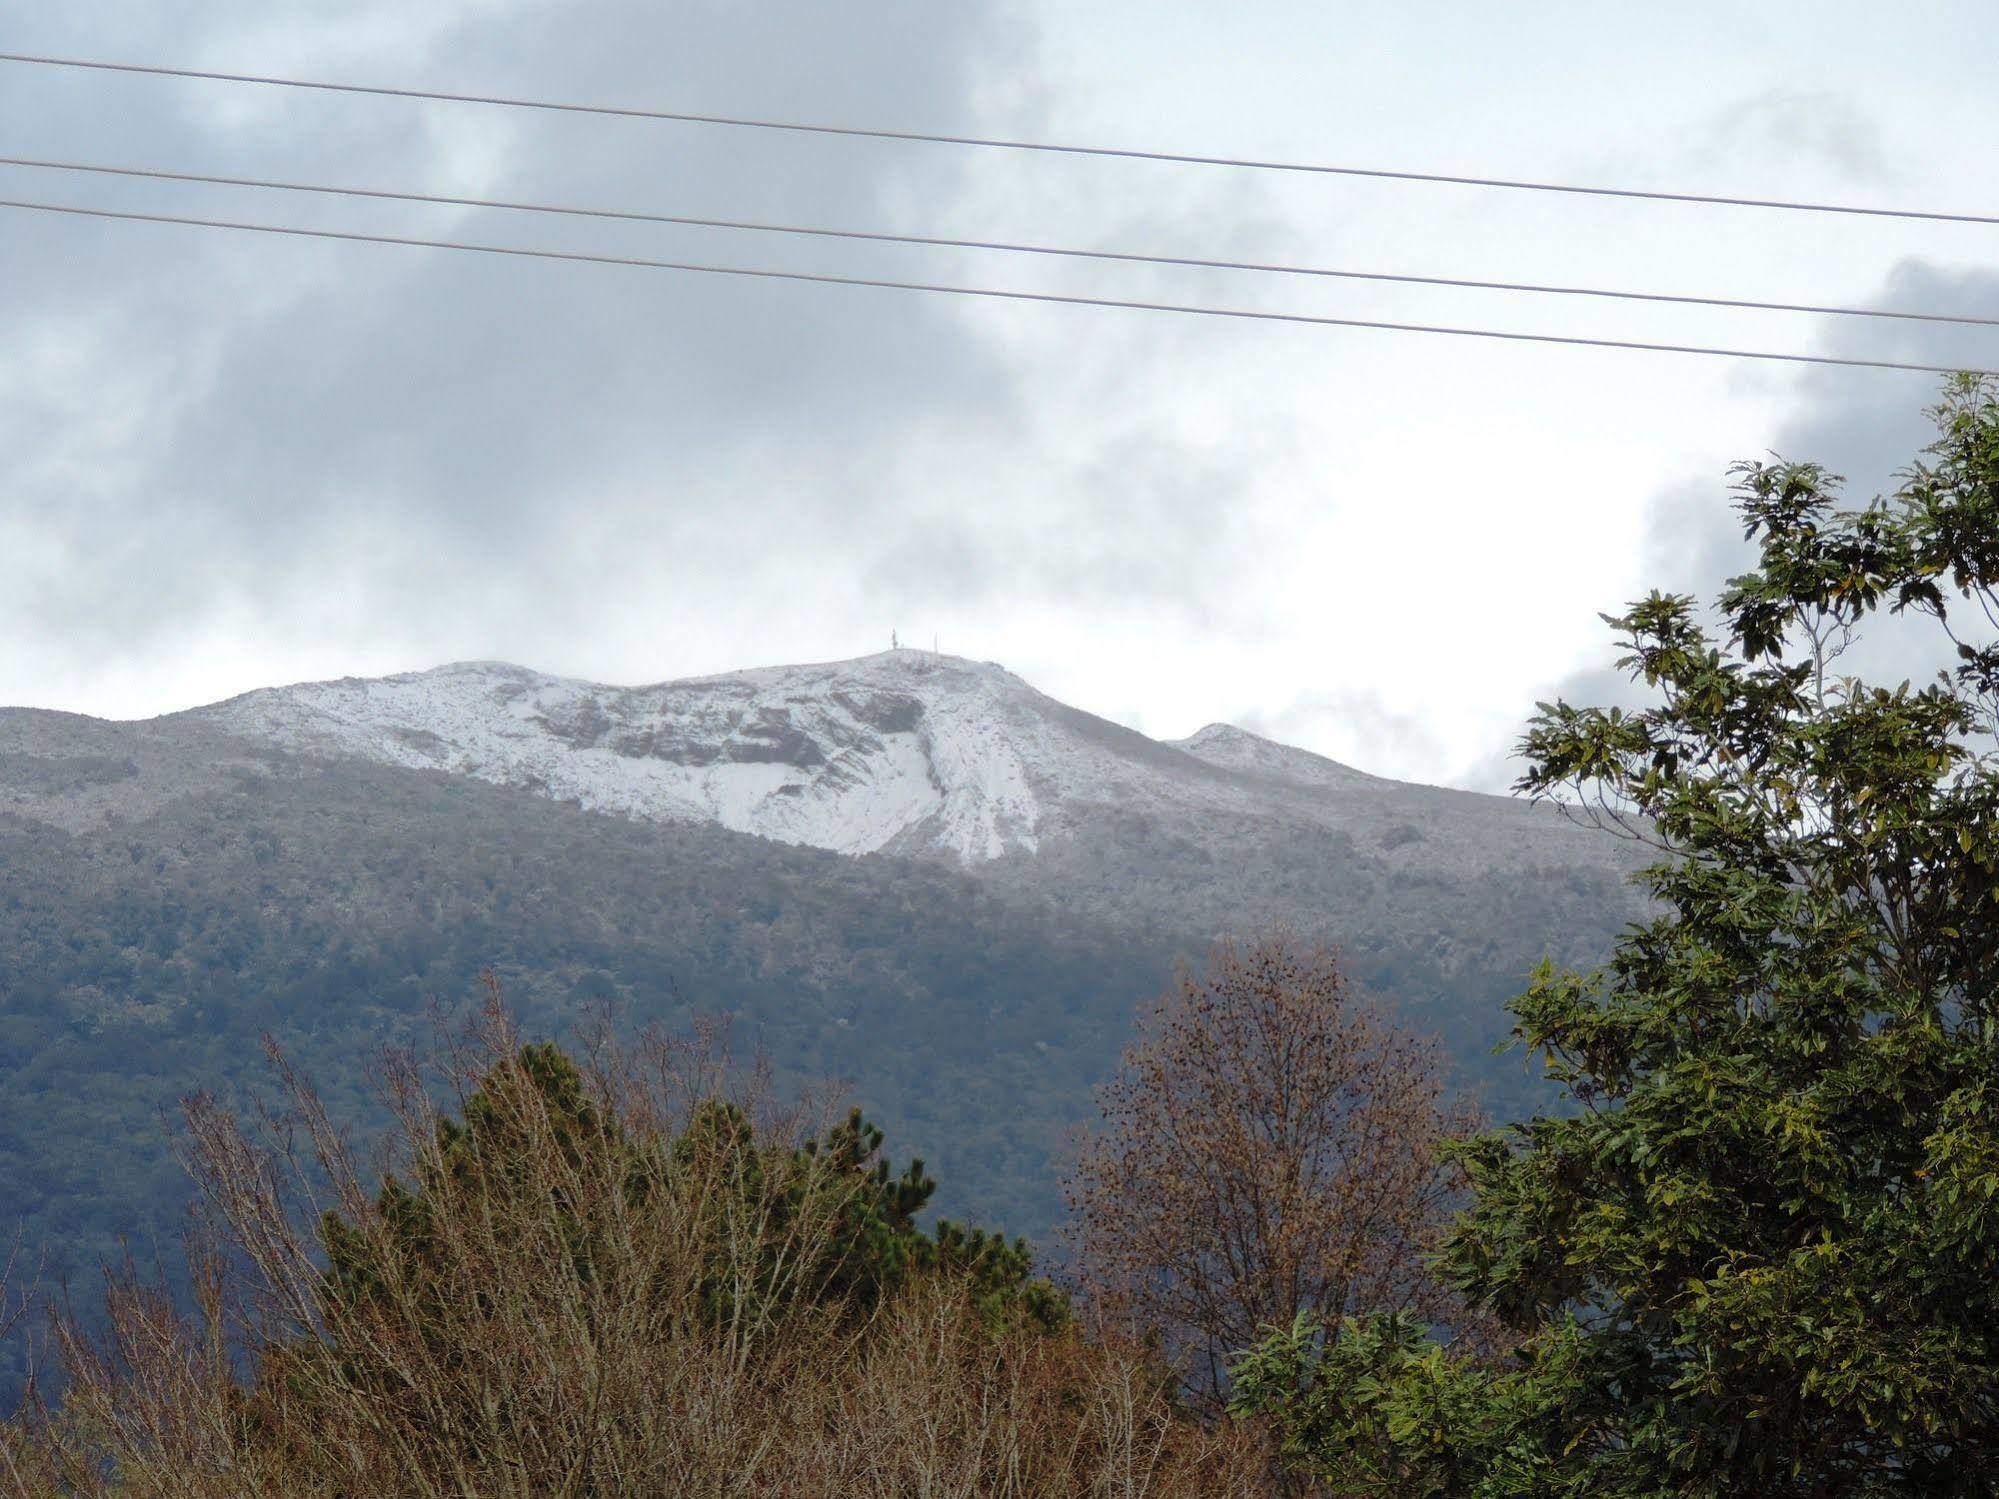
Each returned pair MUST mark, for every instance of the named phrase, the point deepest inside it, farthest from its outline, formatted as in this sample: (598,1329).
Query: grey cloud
(1801,122)
(1863,425)
(1693,541)
(1869,432)
(442,453)
(1867,426)
(1146,521)
(278,408)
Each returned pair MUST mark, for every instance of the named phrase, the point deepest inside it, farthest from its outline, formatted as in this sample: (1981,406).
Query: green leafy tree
(1761,1257)
(1381,1407)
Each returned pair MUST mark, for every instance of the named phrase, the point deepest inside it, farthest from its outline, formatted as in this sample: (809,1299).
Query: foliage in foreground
(598,1281)
(1760,1260)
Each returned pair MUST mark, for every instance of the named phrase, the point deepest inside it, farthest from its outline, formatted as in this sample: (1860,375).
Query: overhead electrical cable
(1011,247)
(745,122)
(996,293)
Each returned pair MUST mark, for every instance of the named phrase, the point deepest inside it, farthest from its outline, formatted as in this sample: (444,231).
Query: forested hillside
(331,908)
(170,894)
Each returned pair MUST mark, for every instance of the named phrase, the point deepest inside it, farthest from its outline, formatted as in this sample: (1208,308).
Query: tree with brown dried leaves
(1271,1145)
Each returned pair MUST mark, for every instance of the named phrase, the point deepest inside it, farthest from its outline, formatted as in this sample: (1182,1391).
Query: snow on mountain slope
(906,751)
(1231,748)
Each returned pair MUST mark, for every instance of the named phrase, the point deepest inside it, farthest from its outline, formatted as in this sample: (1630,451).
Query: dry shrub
(1270,1146)
(611,1288)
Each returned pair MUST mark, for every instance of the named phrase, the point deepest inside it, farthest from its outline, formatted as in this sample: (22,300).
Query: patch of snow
(905,751)
(1225,745)
(852,757)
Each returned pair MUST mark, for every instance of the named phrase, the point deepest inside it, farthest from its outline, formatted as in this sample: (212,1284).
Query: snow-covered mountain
(907,752)
(326,862)
(902,750)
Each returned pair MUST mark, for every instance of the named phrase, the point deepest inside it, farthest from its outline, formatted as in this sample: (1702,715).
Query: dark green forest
(336,910)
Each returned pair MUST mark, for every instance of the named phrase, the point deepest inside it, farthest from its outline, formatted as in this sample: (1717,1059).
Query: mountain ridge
(911,754)
(904,751)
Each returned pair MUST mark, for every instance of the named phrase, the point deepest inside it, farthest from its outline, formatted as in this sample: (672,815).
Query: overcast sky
(228,461)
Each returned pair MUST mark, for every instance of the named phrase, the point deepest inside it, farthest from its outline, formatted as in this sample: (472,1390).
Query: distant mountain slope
(903,751)
(1227,747)
(78,773)
(1439,897)
(331,903)
(1430,890)
(960,890)
(906,751)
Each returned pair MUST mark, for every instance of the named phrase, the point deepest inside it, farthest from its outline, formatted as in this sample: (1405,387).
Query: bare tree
(1270,1146)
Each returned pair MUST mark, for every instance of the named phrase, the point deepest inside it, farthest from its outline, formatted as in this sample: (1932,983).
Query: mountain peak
(901,664)
(1215,733)
(1231,748)
(904,751)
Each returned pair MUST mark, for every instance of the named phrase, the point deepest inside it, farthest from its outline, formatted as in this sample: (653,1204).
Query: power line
(1013,247)
(1056,148)
(1191,309)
